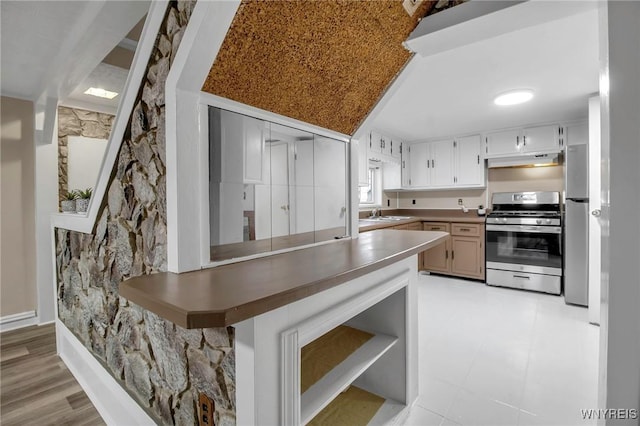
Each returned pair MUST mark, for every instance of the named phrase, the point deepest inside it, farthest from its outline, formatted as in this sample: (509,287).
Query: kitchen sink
(386,218)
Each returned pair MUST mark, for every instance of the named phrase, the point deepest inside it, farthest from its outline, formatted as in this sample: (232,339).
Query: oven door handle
(525,228)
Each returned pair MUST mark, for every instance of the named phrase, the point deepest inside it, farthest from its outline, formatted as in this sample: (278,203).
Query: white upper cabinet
(451,163)
(529,140)
(396,149)
(420,165)
(503,143)
(391,176)
(383,148)
(375,145)
(541,139)
(385,144)
(470,170)
(253,138)
(442,163)
(405,164)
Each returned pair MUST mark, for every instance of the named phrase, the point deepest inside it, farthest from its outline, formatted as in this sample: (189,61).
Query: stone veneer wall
(77,122)
(162,365)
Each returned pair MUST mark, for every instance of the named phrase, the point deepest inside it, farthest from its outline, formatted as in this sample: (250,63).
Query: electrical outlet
(206,407)
(411,6)
(459,201)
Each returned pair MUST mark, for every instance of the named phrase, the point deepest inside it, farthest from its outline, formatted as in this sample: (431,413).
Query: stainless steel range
(524,241)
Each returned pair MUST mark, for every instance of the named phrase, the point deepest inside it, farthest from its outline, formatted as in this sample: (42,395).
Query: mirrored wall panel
(272,187)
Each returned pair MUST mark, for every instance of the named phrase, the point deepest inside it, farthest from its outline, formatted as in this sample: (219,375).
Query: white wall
(17,186)
(84,159)
(621,326)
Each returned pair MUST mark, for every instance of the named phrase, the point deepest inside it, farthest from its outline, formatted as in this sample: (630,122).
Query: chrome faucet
(375,212)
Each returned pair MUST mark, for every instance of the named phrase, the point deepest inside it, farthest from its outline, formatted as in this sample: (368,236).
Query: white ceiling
(50,47)
(104,76)
(452,92)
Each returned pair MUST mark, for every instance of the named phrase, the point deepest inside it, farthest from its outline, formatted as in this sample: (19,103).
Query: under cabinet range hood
(531,160)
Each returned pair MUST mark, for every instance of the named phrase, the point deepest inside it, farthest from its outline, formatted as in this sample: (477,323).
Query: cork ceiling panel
(323,62)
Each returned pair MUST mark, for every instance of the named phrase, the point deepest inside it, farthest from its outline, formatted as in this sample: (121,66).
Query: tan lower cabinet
(466,258)
(437,259)
(463,253)
(415,226)
(403,227)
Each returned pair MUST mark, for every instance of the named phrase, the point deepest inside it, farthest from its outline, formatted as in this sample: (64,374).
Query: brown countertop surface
(225,295)
(461,219)
(370,225)
(420,215)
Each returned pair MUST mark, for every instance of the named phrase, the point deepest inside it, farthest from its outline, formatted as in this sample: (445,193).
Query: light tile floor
(496,356)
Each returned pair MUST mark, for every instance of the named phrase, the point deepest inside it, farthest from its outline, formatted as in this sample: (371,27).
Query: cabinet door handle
(478,158)
(521,276)
(517,141)
(446,254)
(452,255)
(465,229)
(433,164)
(428,164)
(524,141)
(403,164)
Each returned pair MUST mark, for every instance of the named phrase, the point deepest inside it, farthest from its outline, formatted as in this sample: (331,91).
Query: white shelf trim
(85,222)
(314,327)
(341,376)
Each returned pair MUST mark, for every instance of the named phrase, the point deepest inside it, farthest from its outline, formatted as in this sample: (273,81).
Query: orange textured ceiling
(325,62)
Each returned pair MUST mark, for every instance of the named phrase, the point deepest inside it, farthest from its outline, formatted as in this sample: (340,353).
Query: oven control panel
(523,221)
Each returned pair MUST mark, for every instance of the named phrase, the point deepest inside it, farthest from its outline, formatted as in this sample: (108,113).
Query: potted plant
(69,203)
(82,202)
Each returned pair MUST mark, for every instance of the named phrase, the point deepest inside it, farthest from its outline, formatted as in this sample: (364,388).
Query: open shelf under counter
(358,407)
(322,392)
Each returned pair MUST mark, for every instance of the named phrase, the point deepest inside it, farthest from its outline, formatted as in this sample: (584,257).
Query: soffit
(323,62)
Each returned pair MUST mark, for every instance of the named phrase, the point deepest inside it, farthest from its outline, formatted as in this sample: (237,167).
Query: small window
(369,193)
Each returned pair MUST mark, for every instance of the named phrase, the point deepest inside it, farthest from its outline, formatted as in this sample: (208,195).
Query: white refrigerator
(576,225)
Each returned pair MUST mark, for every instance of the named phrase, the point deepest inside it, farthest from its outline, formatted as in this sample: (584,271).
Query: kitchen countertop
(228,294)
(421,215)
(370,225)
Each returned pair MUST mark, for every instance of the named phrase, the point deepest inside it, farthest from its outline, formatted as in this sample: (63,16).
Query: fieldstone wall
(162,365)
(77,122)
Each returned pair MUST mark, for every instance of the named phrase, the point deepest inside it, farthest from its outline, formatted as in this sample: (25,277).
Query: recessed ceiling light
(101,93)
(513,97)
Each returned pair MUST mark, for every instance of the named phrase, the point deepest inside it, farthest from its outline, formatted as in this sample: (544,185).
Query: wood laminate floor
(35,385)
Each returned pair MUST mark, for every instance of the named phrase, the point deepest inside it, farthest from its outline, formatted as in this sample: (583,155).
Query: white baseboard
(15,321)
(112,402)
